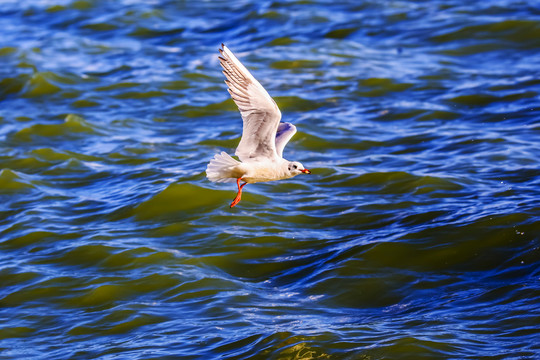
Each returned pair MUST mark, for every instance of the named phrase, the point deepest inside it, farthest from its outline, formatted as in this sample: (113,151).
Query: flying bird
(263,137)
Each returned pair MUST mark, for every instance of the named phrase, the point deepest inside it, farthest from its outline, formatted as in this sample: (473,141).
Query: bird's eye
(294,166)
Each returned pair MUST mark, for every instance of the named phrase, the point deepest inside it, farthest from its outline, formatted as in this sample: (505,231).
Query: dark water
(417,236)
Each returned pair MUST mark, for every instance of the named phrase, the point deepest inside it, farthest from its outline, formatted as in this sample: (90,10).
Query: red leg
(239,195)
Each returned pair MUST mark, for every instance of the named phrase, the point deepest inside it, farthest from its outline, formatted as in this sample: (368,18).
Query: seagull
(264,136)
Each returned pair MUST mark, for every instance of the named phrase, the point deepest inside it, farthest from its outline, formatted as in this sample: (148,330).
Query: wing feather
(285,132)
(259,111)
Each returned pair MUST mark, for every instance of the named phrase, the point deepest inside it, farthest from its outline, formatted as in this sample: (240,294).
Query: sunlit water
(416,237)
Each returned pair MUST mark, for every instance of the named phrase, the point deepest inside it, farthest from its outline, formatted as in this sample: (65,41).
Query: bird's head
(296,168)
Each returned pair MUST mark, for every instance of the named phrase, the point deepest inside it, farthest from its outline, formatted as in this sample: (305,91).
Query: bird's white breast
(260,171)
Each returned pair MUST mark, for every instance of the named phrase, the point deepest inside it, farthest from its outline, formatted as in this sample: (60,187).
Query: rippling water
(416,237)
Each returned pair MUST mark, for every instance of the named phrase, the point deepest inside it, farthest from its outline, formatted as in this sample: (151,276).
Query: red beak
(306,171)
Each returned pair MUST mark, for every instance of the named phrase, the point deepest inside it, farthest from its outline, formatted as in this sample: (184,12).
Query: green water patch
(418,219)
(419,347)
(81,5)
(8,50)
(380,87)
(200,76)
(116,323)
(12,85)
(475,100)
(23,164)
(175,85)
(12,277)
(520,95)
(297,104)
(54,155)
(144,32)
(72,125)
(11,182)
(288,187)
(400,182)
(181,199)
(314,142)
(55,8)
(399,114)
(483,99)
(108,258)
(100,27)
(259,258)
(37,238)
(23,118)
(45,83)
(83,103)
(341,33)
(131,156)
(296,64)
(137,258)
(81,256)
(53,290)
(472,49)
(341,63)
(74,174)
(118,86)
(269,14)
(221,141)
(176,229)
(478,246)
(192,111)
(353,220)
(16,332)
(106,295)
(281,41)
(432,184)
(524,33)
(515,85)
(438,115)
(200,289)
(251,264)
(118,69)
(364,292)
(114,317)
(140,94)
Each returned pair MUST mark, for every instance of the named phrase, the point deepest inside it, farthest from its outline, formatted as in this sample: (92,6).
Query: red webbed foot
(239,195)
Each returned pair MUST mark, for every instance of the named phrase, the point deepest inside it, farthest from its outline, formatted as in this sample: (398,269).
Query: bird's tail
(221,167)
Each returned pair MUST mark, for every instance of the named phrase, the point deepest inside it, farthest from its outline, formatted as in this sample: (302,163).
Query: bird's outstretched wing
(285,132)
(259,111)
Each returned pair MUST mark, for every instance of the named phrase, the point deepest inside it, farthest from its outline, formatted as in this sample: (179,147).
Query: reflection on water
(416,236)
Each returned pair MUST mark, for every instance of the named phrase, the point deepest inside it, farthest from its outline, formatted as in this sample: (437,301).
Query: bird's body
(259,171)
(263,137)
(251,171)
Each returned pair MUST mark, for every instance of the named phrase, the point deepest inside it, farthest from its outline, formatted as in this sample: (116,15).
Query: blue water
(416,237)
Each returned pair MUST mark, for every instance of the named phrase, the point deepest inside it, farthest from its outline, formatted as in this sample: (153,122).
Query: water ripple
(416,235)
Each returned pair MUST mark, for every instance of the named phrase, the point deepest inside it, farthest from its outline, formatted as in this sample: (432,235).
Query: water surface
(416,236)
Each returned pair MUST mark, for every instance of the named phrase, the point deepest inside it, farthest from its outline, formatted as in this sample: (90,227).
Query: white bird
(263,137)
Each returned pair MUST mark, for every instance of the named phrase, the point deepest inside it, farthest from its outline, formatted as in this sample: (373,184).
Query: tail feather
(221,167)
